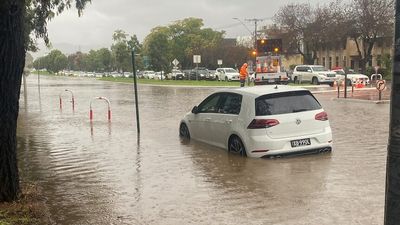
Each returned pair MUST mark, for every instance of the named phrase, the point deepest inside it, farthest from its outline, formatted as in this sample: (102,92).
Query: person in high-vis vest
(243,74)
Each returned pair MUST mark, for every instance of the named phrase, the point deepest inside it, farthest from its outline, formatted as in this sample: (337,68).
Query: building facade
(345,55)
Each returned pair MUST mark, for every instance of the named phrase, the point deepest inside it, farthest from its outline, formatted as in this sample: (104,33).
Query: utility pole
(392,193)
(255,37)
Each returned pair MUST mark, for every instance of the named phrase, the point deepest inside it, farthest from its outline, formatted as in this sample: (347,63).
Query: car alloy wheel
(236,146)
(184,131)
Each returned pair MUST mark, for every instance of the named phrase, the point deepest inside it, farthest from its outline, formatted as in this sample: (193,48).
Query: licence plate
(300,142)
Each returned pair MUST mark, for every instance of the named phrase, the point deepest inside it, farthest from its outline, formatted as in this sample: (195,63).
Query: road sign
(175,62)
(219,62)
(380,85)
(196,58)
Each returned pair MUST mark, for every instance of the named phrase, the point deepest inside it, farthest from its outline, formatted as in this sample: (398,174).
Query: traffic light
(265,46)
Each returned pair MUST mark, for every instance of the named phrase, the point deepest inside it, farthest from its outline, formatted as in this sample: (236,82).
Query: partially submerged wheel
(236,146)
(184,131)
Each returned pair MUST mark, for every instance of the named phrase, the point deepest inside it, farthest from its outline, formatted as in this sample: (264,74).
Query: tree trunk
(12,60)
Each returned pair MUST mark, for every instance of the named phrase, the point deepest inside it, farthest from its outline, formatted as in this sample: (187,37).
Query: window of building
(337,61)
(330,63)
(323,61)
(344,61)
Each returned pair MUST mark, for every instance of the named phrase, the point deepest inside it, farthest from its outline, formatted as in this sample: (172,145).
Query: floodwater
(102,173)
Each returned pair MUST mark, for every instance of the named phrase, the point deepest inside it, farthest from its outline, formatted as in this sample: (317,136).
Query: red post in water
(60,103)
(91,114)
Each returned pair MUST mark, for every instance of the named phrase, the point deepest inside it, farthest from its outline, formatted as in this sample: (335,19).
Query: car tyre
(315,81)
(236,146)
(226,78)
(184,131)
(295,80)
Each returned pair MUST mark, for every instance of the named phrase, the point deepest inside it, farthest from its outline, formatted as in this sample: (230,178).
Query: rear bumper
(263,146)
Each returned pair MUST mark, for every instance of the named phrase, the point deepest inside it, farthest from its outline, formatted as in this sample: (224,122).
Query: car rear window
(285,102)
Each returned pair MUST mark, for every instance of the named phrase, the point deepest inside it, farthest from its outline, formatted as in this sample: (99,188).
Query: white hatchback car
(260,121)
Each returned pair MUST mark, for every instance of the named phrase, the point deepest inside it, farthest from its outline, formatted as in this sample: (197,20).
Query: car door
(227,117)
(308,74)
(200,123)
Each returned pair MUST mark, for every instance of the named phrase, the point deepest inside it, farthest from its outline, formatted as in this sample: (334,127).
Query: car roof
(257,91)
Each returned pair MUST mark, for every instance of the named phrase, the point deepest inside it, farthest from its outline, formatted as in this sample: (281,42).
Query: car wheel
(295,80)
(315,81)
(236,146)
(348,82)
(217,78)
(184,131)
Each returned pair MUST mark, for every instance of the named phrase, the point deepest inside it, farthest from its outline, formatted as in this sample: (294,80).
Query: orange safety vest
(243,72)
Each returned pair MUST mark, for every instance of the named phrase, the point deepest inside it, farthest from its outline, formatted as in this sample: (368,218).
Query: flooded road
(101,173)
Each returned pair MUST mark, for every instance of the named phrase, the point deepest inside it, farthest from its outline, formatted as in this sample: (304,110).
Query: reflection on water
(94,176)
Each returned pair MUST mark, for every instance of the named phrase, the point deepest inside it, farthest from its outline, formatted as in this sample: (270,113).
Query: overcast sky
(101,18)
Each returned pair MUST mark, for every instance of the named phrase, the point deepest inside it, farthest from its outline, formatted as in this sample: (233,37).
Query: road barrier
(72,99)
(108,105)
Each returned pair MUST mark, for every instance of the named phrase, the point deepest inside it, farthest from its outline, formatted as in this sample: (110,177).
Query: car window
(301,69)
(319,68)
(210,104)
(285,102)
(230,70)
(230,104)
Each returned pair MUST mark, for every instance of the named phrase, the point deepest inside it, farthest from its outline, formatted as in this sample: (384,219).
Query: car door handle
(207,119)
(228,121)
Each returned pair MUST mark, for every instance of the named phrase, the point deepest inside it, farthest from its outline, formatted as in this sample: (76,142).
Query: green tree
(158,48)
(18,19)
(56,61)
(53,62)
(77,61)
(370,20)
(121,52)
(180,40)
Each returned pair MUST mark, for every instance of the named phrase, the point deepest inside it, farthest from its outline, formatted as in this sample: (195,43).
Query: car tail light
(322,116)
(262,123)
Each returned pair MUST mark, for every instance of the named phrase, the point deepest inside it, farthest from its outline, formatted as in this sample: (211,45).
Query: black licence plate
(300,142)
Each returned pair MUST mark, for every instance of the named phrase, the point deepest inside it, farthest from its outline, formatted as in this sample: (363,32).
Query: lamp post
(252,34)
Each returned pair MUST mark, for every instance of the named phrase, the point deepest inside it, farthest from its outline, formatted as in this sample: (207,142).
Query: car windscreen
(286,102)
(230,71)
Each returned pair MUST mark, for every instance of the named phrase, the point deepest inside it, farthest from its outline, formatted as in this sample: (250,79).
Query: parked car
(211,75)
(159,75)
(352,78)
(199,73)
(315,74)
(176,75)
(260,121)
(149,74)
(227,74)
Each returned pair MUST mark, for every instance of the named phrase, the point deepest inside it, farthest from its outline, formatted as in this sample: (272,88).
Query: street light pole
(255,39)
(252,34)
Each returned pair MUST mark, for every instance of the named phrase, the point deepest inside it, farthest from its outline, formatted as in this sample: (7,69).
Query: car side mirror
(195,110)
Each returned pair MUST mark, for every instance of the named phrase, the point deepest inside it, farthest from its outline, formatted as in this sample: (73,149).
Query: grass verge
(30,209)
